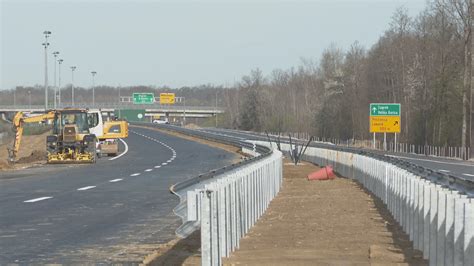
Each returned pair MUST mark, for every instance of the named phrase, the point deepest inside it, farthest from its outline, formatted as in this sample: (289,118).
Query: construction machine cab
(71,140)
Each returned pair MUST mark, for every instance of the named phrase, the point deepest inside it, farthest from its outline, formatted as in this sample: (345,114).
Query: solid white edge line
(123,153)
(86,188)
(37,199)
(115,180)
(469,175)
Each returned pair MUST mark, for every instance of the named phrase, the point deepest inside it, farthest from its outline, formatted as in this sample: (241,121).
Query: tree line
(422,62)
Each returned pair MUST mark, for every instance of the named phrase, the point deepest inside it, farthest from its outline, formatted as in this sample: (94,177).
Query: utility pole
(72,85)
(46,44)
(60,61)
(55,88)
(93,88)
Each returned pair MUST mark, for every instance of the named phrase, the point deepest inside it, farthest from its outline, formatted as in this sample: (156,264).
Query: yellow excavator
(71,140)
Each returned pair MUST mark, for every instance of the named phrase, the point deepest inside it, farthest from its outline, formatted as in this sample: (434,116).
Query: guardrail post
(449,229)
(433,223)
(426,220)
(469,232)
(206,256)
(441,227)
(216,257)
(459,229)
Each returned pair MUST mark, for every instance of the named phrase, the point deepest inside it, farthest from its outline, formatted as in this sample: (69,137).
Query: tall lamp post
(29,100)
(72,85)
(55,88)
(93,88)
(60,61)
(46,44)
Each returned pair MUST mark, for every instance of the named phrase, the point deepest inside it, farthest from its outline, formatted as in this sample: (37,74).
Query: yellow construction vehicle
(18,120)
(71,140)
(108,132)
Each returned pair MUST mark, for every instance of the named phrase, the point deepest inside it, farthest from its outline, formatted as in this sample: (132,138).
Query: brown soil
(311,223)
(192,126)
(324,222)
(32,151)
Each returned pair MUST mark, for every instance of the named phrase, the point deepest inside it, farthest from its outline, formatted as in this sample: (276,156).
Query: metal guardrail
(436,210)
(461,184)
(226,202)
(437,216)
(463,153)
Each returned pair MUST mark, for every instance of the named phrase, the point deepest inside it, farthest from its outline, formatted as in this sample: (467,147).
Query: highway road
(102,213)
(458,168)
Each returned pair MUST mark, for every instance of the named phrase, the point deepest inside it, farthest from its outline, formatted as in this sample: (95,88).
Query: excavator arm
(18,121)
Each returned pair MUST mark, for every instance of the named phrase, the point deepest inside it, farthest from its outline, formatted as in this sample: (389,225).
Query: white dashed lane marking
(157,166)
(136,174)
(164,163)
(37,199)
(86,188)
(148,170)
(442,170)
(115,180)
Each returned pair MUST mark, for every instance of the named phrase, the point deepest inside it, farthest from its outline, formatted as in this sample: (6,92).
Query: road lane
(94,225)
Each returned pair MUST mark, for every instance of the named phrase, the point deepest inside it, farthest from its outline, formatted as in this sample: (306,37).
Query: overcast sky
(180,43)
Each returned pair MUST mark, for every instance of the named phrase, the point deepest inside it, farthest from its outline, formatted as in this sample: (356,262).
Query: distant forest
(422,62)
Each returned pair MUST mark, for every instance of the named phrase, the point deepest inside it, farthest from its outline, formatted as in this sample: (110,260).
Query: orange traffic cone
(324,173)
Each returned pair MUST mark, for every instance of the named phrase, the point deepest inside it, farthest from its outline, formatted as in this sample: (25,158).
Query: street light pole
(215,109)
(93,88)
(46,44)
(72,85)
(60,61)
(29,100)
(55,88)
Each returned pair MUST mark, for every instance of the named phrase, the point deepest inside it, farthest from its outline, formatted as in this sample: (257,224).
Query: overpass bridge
(150,109)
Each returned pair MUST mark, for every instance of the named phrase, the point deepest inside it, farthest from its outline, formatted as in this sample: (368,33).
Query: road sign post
(385,118)
(144,98)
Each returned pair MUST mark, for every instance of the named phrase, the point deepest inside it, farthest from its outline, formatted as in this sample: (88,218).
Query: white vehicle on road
(159,121)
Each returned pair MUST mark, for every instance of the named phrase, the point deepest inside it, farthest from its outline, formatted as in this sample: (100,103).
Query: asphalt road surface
(100,213)
(458,168)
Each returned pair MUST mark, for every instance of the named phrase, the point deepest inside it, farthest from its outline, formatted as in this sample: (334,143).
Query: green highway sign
(384,109)
(143,98)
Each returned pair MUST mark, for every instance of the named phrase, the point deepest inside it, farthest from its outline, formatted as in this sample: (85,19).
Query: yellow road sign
(167,98)
(388,124)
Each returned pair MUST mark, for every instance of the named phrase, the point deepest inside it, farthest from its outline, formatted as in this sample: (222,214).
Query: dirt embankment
(311,223)
(32,151)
